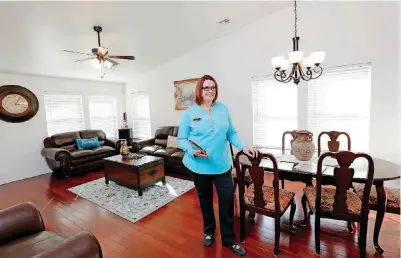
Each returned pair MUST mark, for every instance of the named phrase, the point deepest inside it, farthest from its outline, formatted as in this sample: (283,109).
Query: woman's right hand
(198,153)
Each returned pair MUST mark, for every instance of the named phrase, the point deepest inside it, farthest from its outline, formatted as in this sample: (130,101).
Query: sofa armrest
(80,245)
(19,221)
(138,145)
(54,153)
(113,142)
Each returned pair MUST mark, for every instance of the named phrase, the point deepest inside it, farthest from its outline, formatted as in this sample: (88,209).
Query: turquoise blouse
(211,133)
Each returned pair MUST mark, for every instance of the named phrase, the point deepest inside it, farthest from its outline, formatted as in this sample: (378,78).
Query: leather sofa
(65,159)
(157,146)
(23,235)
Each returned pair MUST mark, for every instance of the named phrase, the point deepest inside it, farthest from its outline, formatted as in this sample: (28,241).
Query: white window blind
(103,114)
(141,115)
(63,113)
(340,101)
(274,111)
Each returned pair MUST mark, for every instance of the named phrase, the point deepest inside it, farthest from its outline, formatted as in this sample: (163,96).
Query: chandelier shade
(297,66)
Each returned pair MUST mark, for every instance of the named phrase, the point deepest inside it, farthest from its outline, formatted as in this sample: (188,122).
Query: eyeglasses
(207,88)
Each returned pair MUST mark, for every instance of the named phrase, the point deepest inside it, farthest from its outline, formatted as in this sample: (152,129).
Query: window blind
(63,113)
(103,114)
(141,115)
(274,111)
(340,101)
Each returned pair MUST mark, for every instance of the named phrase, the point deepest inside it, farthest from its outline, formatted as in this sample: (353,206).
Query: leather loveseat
(23,235)
(65,159)
(157,146)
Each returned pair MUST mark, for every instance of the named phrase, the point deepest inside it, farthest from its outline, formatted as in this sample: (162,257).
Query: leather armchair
(157,146)
(65,159)
(23,235)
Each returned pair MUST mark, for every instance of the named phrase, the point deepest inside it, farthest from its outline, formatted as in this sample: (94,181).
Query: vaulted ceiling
(34,33)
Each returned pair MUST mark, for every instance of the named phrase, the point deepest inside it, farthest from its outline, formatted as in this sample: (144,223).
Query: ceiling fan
(100,55)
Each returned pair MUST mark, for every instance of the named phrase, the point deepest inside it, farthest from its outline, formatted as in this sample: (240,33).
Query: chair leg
(282,183)
(242,224)
(292,213)
(362,238)
(350,227)
(303,200)
(317,232)
(277,236)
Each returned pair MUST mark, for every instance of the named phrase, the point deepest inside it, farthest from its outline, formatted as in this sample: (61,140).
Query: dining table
(292,169)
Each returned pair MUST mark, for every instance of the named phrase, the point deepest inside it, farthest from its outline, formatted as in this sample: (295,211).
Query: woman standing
(208,124)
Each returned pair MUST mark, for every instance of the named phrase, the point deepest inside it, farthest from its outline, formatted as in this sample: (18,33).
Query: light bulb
(296,56)
(277,61)
(318,57)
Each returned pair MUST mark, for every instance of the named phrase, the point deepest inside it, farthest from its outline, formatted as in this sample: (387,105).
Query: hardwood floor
(175,230)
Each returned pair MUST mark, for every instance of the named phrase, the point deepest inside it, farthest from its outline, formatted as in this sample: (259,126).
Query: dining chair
(292,133)
(333,144)
(341,202)
(393,197)
(263,199)
(247,178)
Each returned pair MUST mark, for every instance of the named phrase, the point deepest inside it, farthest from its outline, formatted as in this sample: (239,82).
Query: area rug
(126,203)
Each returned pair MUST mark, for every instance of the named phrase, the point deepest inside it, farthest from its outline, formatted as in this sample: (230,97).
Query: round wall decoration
(17,104)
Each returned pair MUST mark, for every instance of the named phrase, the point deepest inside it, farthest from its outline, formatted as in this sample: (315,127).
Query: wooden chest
(138,173)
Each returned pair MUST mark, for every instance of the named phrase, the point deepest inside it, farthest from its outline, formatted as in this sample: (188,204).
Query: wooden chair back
(333,143)
(292,133)
(343,176)
(256,173)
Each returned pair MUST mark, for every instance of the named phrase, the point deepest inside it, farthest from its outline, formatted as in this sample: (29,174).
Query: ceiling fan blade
(75,52)
(112,61)
(89,58)
(123,57)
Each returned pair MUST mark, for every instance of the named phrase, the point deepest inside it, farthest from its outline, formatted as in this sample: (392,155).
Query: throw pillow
(172,142)
(87,143)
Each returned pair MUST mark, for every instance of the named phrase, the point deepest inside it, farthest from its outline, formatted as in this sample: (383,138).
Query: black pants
(225,191)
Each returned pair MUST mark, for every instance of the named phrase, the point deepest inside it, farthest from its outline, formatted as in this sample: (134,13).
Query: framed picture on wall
(184,93)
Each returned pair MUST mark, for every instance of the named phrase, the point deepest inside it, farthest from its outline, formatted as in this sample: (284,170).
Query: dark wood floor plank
(175,230)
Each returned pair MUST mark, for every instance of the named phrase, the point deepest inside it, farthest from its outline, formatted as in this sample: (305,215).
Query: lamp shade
(285,65)
(277,61)
(296,56)
(318,57)
(308,62)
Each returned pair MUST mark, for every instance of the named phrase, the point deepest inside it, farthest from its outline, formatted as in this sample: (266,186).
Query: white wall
(349,32)
(21,143)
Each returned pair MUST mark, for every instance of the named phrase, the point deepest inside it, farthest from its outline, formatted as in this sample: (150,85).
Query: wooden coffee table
(138,173)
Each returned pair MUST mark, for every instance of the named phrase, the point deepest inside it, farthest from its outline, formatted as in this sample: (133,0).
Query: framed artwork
(184,93)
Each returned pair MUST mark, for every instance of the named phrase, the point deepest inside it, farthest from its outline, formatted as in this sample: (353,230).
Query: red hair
(199,89)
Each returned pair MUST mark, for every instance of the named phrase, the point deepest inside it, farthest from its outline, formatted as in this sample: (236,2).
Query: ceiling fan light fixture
(97,64)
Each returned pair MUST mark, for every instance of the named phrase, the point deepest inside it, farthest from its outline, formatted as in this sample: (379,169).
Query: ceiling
(34,33)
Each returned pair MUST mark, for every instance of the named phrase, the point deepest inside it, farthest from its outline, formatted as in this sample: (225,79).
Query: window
(63,113)
(103,114)
(141,115)
(340,101)
(274,111)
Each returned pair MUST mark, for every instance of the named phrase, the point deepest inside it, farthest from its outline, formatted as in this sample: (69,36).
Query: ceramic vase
(303,146)
(124,148)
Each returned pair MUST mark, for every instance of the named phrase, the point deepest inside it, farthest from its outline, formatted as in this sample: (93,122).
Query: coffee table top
(139,160)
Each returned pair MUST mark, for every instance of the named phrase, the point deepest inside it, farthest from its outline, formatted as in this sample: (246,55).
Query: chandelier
(296,71)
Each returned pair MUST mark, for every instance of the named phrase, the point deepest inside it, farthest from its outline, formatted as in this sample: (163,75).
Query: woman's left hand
(250,151)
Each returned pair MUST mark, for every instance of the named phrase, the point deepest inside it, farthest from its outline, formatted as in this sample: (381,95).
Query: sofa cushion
(166,152)
(77,154)
(150,149)
(63,139)
(104,149)
(31,245)
(178,155)
(161,142)
(85,134)
(163,132)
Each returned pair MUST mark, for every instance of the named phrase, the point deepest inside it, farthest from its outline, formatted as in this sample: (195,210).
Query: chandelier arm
(305,76)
